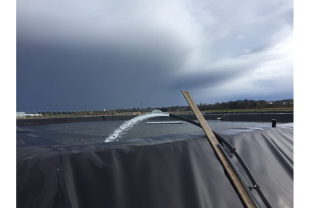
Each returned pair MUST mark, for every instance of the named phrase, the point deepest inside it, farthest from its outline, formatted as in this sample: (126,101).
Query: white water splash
(116,135)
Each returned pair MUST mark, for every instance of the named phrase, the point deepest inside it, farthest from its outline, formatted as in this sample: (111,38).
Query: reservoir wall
(282,117)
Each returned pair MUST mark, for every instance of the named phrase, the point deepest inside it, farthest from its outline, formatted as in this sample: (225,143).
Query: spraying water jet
(117,134)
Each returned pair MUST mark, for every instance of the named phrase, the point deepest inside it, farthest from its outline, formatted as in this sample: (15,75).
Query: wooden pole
(245,196)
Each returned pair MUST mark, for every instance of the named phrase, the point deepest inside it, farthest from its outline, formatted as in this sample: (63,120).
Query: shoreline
(259,116)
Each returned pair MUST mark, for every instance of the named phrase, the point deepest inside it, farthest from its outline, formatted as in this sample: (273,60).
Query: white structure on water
(23,114)
(20,114)
(33,114)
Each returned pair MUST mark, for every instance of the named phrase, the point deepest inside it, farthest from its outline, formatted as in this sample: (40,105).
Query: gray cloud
(112,54)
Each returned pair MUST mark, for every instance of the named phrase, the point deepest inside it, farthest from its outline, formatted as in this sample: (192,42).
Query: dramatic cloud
(114,54)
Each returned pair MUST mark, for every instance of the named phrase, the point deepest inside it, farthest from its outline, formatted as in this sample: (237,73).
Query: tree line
(238,104)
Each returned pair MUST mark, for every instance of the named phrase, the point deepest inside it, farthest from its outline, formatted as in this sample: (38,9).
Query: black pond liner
(168,171)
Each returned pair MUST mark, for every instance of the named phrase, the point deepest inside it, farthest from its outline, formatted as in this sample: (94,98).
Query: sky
(96,54)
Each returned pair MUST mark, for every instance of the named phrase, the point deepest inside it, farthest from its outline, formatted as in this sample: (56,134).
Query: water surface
(93,132)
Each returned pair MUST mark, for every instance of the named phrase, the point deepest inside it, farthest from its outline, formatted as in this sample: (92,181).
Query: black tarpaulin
(178,171)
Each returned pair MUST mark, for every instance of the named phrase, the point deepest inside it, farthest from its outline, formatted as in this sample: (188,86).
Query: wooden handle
(245,196)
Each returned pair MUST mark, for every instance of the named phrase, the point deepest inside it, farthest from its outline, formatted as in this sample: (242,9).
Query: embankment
(282,117)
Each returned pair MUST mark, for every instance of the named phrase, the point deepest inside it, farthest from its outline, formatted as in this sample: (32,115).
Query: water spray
(117,134)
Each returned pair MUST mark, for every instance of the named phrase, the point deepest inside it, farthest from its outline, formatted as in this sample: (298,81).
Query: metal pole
(274,123)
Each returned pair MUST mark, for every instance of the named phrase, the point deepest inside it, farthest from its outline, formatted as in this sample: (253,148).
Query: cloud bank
(113,54)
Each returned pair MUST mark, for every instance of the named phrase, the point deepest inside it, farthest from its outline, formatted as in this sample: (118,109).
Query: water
(94,132)
(117,134)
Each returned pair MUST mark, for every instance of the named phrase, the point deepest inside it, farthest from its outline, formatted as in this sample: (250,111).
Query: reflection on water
(95,131)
